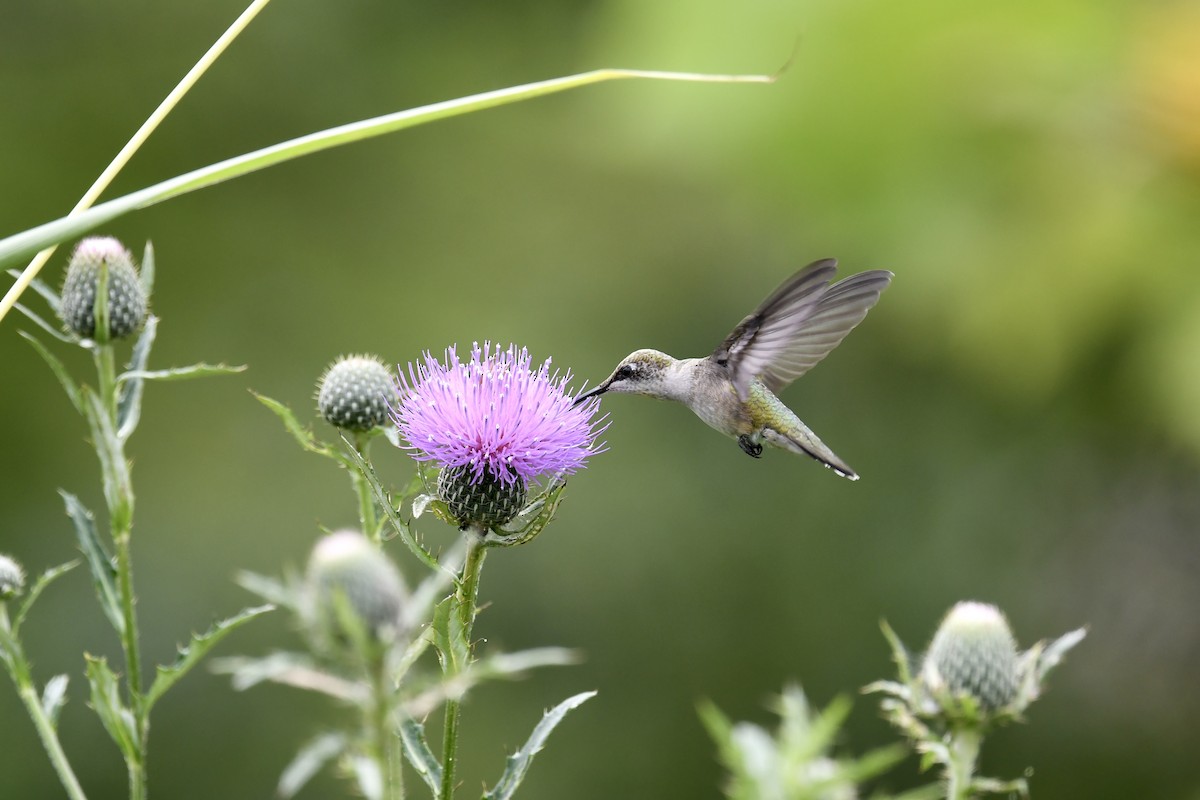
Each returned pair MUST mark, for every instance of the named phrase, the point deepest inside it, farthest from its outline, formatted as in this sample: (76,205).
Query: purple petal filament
(495,414)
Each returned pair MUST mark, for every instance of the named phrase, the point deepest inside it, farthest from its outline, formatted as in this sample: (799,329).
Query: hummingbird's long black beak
(598,389)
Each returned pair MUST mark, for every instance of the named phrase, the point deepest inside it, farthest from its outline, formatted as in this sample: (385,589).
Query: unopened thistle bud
(485,501)
(974,652)
(345,564)
(126,297)
(355,393)
(12,578)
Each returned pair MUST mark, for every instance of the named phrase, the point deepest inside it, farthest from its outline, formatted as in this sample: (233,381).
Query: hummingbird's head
(640,372)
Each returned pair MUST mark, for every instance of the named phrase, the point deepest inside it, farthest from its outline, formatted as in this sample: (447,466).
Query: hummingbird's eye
(624,372)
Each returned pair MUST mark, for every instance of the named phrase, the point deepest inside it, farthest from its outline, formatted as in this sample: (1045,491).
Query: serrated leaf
(309,761)
(129,401)
(182,373)
(273,590)
(821,729)
(289,669)
(117,719)
(146,273)
(36,319)
(416,750)
(1055,651)
(41,287)
(368,775)
(303,436)
(900,655)
(873,763)
(195,650)
(1017,787)
(510,665)
(505,666)
(385,502)
(720,728)
(104,574)
(54,697)
(518,763)
(60,371)
(889,687)
(39,586)
(532,520)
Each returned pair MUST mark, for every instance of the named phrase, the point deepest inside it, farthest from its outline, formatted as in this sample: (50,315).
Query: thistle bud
(974,652)
(346,565)
(126,297)
(12,578)
(355,393)
(484,501)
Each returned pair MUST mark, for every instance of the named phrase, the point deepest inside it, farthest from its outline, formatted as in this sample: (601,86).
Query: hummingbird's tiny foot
(749,447)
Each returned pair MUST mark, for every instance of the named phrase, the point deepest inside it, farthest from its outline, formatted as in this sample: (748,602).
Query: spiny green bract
(486,502)
(974,652)
(126,298)
(355,393)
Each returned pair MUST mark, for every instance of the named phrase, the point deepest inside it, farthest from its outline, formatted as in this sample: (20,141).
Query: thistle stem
(129,639)
(50,742)
(106,373)
(467,595)
(387,743)
(366,501)
(18,669)
(120,515)
(964,752)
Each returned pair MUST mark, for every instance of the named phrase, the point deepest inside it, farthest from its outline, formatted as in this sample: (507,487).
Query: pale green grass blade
(24,244)
(135,142)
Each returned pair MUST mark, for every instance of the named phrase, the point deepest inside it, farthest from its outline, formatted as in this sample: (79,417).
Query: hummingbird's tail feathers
(805,442)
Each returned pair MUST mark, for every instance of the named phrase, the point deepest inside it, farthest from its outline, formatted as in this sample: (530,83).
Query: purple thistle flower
(495,415)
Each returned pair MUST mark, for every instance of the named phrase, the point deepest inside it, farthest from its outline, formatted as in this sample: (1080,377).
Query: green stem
(106,371)
(129,639)
(18,669)
(366,498)
(467,594)
(964,752)
(50,742)
(120,516)
(387,743)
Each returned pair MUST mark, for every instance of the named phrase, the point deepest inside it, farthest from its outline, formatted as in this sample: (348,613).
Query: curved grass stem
(136,141)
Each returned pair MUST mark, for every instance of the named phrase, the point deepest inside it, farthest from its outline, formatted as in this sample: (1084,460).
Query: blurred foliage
(1021,404)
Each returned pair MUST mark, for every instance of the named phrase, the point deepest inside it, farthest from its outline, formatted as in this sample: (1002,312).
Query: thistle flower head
(125,297)
(12,578)
(495,415)
(346,568)
(974,652)
(355,393)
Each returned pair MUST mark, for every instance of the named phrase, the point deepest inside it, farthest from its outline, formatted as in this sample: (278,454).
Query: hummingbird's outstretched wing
(798,325)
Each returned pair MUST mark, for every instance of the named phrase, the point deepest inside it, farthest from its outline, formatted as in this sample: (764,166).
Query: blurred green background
(1022,405)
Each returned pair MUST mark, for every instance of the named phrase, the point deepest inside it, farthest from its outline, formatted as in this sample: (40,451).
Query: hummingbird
(735,389)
